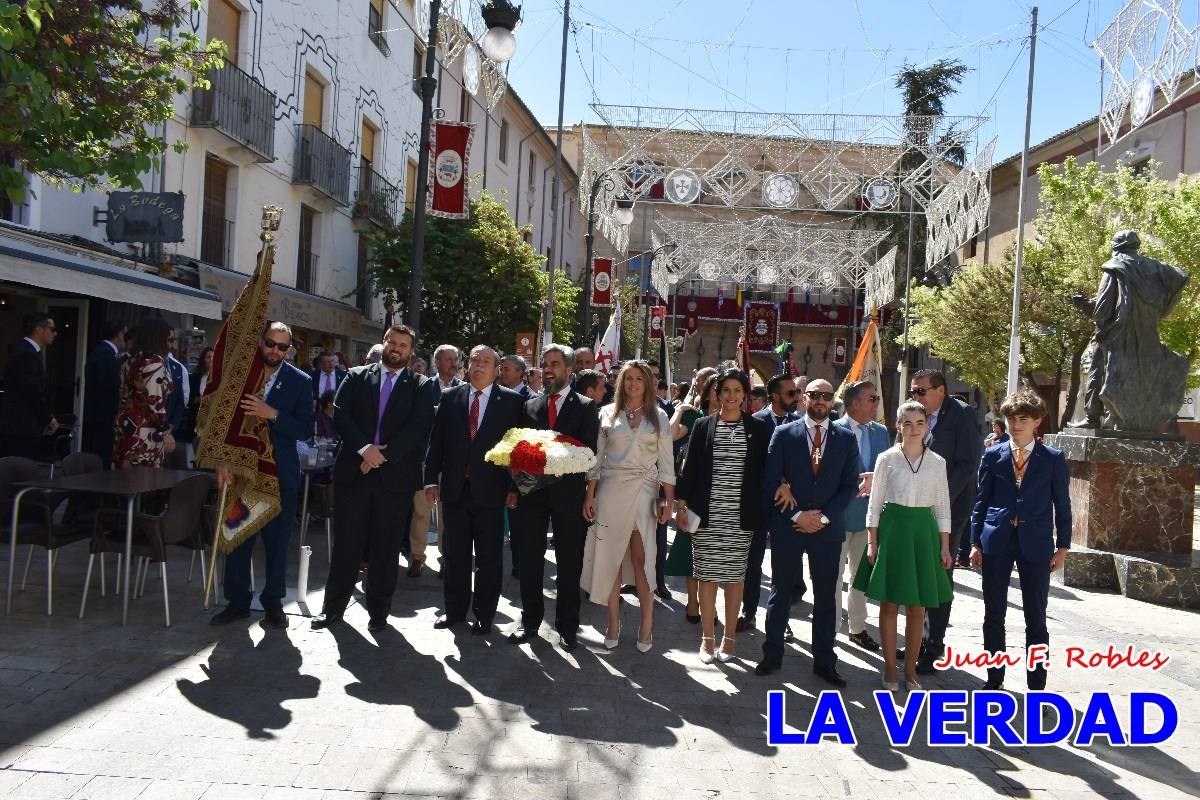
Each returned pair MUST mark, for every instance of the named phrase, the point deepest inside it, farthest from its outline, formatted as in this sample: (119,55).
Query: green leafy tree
(84,84)
(482,282)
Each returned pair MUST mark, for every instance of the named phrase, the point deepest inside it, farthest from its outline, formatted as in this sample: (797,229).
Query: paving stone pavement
(89,709)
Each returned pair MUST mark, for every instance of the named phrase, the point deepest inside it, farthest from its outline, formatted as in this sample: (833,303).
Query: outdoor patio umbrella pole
(212,562)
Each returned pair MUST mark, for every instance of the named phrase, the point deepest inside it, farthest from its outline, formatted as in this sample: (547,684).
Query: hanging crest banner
(449,165)
(602,281)
(762,326)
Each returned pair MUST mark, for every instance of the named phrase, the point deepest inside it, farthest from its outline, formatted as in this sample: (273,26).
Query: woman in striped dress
(722,484)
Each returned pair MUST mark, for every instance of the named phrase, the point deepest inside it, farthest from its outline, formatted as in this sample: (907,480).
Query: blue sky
(814,57)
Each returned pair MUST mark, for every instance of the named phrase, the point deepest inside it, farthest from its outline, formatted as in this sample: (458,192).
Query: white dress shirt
(485,394)
(810,424)
(895,482)
(328,382)
(383,373)
(1028,452)
(557,399)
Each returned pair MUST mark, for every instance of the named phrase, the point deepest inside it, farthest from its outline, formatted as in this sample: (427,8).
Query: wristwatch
(824,520)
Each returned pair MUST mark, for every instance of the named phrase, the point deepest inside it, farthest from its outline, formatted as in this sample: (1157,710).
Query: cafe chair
(45,521)
(178,525)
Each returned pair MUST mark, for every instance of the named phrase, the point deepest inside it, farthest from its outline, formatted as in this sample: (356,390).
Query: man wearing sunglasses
(27,413)
(819,463)
(954,436)
(286,405)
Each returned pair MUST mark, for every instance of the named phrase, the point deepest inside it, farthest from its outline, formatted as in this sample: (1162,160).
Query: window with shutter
(225,23)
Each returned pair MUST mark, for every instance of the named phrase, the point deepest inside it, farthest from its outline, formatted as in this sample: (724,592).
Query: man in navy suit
(471,419)
(781,410)
(953,435)
(26,406)
(383,413)
(862,407)
(327,378)
(1022,517)
(287,407)
(102,391)
(563,410)
(820,464)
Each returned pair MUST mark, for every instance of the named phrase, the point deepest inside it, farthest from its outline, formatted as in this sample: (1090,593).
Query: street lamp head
(670,247)
(501,18)
(624,213)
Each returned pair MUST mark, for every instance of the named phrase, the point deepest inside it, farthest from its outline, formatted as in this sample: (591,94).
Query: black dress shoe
(273,617)
(767,666)
(788,636)
(663,592)
(744,624)
(480,628)
(568,642)
(992,686)
(229,614)
(522,634)
(377,625)
(445,621)
(830,676)
(323,621)
(925,666)
(414,569)
(864,640)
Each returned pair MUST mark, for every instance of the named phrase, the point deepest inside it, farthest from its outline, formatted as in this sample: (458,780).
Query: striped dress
(721,549)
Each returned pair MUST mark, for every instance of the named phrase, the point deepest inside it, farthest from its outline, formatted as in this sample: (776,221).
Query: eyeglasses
(282,347)
(826,396)
(918,392)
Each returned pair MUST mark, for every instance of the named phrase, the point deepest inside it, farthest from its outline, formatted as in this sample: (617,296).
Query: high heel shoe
(912,684)
(611,644)
(891,686)
(723,656)
(692,618)
(706,656)
(644,647)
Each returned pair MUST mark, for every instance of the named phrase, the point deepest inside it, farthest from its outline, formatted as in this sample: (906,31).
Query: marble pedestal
(1132,502)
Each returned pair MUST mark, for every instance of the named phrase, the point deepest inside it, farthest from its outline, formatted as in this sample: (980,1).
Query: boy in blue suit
(1023,517)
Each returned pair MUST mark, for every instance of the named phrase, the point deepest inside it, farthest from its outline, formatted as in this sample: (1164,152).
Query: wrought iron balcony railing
(322,163)
(378,199)
(238,106)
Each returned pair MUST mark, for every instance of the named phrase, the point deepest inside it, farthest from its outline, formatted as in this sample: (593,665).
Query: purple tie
(384,394)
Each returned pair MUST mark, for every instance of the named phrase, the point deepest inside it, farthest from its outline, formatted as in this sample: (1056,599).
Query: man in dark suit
(1022,517)
(780,411)
(327,378)
(954,436)
(27,413)
(446,359)
(286,405)
(102,391)
(820,464)
(383,414)
(512,375)
(470,420)
(559,409)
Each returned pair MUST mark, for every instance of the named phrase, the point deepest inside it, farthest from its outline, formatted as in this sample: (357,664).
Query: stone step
(1161,578)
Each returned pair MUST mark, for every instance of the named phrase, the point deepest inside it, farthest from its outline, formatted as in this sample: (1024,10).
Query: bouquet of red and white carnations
(538,458)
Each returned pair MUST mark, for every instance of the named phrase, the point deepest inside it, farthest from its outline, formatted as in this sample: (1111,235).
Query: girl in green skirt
(908,518)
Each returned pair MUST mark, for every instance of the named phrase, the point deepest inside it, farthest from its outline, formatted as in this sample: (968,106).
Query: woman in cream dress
(633,459)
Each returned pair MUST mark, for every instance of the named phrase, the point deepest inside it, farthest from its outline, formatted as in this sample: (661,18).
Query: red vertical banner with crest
(658,316)
(762,326)
(450,154)
(602,282)
(525,348)
(839,352)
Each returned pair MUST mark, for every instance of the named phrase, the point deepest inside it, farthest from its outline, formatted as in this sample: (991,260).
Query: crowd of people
(738,468)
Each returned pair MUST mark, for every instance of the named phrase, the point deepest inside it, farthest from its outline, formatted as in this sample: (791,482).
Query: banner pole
(212,562)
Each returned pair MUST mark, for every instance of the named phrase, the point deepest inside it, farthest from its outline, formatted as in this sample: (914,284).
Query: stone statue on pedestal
(1135,383)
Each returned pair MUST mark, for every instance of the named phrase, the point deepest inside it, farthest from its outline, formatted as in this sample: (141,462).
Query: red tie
(474,415)
(553,410)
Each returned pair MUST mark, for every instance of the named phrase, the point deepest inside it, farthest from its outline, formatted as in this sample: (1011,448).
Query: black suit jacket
(101,396)
(695,482)
(26,393)
(956,439)
(318,380)
(404,429)
(578,418)
(453,454)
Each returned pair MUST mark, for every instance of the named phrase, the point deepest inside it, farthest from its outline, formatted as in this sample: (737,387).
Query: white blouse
(895,482)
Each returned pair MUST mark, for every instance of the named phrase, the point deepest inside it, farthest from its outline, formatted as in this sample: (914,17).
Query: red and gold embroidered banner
(762,325)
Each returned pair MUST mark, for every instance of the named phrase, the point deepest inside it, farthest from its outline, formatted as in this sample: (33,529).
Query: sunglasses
(282,347)
(918,392)
(827,396)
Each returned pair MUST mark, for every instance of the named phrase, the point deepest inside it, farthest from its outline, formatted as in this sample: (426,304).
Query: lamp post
(622,216)
(499,44)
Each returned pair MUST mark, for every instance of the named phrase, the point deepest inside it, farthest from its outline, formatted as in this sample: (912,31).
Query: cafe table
(129,484)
